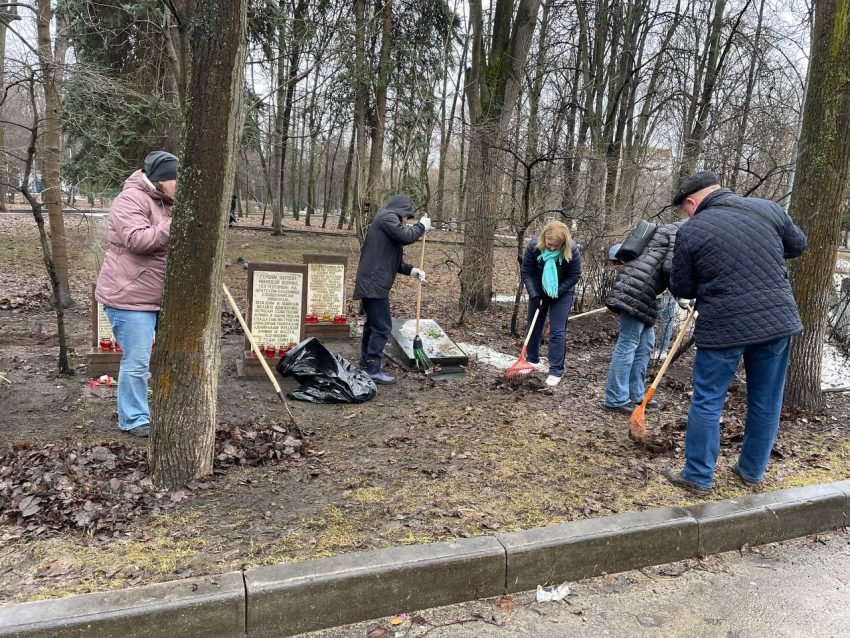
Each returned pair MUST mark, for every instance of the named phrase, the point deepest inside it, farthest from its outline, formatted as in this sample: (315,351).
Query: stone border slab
(299,597)
(285,599)
(591,547)
(769,517)
(208,607)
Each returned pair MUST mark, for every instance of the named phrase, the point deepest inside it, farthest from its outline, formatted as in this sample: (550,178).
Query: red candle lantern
(311,319)
(340,319)
(118,348)
(106,344)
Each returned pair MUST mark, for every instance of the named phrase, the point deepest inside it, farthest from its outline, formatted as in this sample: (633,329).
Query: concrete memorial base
(439,347)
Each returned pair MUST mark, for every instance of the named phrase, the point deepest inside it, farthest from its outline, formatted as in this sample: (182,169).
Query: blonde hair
(557,231)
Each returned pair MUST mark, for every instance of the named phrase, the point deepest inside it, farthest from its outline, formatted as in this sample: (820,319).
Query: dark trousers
(558,311)
(376,331)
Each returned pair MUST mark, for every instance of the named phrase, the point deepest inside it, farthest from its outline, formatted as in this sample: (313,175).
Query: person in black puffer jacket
(637,285)
(381,259)
(730,256)
(553,296)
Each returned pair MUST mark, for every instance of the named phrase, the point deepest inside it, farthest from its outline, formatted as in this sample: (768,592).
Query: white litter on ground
(552,593)
(500,360)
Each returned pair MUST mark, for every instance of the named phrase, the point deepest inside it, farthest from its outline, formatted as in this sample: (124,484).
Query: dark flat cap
(160,166)
(694,183)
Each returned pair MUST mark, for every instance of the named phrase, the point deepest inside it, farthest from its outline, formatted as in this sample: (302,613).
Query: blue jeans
(666,311)
(629,363)
(377,329)
(134,331)
(558,310)
(765,365)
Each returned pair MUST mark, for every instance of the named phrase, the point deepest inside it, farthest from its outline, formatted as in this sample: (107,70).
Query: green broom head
(423,363)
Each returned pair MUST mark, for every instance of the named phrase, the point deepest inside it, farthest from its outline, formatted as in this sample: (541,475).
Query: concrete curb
(290,598)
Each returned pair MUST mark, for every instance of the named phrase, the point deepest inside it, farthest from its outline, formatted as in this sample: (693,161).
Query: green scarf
(550,271)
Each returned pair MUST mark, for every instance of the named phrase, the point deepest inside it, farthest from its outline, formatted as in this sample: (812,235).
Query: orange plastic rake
(522,367)
(637,421)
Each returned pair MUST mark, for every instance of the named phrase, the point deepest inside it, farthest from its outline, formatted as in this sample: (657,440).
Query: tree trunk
(8,16)
(361,97)
(820,191)
(492,90)
(187,356)
(376,152)
(51,195)
(344,203)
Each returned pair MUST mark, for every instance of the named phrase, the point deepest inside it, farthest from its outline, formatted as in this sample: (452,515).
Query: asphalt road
(795,589)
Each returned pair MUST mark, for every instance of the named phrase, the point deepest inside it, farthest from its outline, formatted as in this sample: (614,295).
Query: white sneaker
(552,381)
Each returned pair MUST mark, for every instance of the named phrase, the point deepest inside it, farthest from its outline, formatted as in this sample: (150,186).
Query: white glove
(685,303)
(419,274)
(426,222)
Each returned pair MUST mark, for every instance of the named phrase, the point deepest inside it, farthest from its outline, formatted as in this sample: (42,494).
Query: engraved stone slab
(277,298)
(325,284)
(439,347)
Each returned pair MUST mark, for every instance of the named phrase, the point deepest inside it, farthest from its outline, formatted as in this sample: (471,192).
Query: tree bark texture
(492,90)
(187,354)
(819,194)
(51,195)
(376,151)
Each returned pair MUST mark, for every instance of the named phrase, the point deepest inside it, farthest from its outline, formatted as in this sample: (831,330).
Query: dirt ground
(424,461)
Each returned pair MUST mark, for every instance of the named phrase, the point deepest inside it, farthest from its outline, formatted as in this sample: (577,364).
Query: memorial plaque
(326,295)
(277,302)
(277,297)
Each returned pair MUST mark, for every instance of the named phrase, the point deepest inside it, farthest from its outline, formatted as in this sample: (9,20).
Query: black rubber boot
(373,368)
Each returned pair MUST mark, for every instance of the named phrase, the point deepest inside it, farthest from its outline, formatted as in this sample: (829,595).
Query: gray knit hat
(160,166)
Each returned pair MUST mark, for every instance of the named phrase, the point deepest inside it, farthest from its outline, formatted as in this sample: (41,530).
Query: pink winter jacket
(133,272)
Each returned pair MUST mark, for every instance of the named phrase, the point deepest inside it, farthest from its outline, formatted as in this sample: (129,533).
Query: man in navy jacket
(730,257)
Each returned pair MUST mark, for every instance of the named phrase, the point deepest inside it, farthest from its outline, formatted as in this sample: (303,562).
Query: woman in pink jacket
(132,278)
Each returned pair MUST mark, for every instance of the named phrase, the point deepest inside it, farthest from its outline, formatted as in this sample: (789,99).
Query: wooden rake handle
(674,348)
(530,328)
(589,312)
(419,289)
(261,356)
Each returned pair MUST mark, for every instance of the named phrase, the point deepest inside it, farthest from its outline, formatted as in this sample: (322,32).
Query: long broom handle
(261,356)
(589,312)
(419,289)
(674,347)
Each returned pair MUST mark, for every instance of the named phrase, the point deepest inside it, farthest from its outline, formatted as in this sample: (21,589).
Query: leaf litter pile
(101,490)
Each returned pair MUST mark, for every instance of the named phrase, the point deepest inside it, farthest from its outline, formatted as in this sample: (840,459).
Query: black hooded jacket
(645,277)
(382,251)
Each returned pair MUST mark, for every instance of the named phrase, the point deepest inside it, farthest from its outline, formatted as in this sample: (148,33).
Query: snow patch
(500,360)
(835,368)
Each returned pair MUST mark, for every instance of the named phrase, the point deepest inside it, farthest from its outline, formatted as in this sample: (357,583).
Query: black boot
(373,368)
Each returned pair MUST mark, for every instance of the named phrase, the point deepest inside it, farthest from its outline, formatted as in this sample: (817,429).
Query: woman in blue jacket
(551,267)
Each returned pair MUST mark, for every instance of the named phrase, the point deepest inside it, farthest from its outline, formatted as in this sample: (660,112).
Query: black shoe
(652,404)
(678,480)
(626,408)
(140,430)
(744,479)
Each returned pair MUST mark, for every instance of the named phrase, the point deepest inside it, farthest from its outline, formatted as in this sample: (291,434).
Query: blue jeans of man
(377,329)
(666,311)
(558,310)
(765,365)
(629,362)
(134,331)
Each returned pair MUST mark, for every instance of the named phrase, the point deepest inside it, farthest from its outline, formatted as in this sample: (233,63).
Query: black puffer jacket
(383,249)
(645,277)
(731,257)
(569,272)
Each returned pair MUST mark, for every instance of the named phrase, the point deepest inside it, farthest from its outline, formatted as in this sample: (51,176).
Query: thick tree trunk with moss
(492,88)
(187,355)
(51,196)
(820,189)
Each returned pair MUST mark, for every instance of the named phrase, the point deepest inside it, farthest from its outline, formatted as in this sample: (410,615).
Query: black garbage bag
(325,377)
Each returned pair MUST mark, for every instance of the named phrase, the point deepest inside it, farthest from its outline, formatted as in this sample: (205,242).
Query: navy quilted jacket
(569,272)
(731,257)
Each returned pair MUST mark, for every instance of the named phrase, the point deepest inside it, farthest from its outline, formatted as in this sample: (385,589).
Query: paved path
(795,589)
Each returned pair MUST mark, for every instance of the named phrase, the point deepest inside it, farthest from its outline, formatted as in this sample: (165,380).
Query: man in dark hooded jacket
(381,259)
(730,257)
